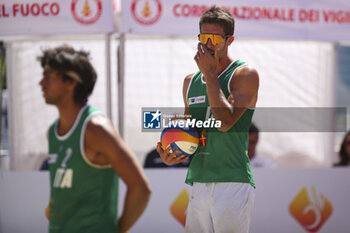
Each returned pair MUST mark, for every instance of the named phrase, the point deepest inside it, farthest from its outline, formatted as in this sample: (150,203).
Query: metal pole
(108,76)
(121,74)
(11,117)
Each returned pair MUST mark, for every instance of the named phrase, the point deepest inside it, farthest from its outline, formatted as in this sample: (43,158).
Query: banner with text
(45,17)
(283,19)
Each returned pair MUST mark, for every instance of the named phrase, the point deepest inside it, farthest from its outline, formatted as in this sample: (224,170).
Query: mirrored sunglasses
(214,38)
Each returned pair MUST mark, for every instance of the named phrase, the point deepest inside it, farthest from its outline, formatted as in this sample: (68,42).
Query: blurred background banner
(278,207)
(32,17)
(285,19)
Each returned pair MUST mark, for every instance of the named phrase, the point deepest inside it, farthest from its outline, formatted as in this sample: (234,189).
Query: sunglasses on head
(214,38)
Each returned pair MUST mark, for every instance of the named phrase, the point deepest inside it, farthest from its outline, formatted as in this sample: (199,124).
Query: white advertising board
(284,19)
(46,17)
(287,200)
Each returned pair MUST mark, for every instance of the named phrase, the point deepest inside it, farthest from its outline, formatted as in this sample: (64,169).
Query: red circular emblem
(146,12)
(86,12)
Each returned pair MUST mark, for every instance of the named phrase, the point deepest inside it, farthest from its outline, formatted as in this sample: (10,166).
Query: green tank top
(221,156)
(83,195)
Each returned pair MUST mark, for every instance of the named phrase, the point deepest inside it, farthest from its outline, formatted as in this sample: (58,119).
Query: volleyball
(185,139)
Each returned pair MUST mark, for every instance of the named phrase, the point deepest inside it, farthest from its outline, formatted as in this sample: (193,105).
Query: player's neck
(67,116)
(223,64)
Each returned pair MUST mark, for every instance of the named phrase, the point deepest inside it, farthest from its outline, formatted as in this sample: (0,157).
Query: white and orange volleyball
(185,139)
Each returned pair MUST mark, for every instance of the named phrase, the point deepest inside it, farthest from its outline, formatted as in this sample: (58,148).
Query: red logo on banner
(146,12)
(86,11)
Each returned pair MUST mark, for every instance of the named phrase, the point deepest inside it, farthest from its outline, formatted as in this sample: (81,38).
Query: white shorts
(220,208)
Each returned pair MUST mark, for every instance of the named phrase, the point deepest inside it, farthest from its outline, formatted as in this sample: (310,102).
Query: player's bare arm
(167,157)
(186,83)
(244,88)
(103,146)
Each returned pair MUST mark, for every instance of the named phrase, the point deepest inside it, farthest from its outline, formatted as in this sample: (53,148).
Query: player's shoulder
(245,76)
(247,71)
(98,119)
(98,125)
(187,79)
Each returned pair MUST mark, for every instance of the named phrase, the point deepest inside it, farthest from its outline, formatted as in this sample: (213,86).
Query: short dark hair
(65,58)
(218,15)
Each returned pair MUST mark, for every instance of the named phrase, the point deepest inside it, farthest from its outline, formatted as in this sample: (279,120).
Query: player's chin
(48,101)
(45,96)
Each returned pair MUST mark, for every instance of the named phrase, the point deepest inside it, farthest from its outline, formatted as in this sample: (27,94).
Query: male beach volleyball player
(223,191)
(86,153)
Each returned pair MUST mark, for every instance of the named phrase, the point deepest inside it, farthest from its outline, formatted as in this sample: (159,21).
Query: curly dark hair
(218,15)
(344,157)
(65,59)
